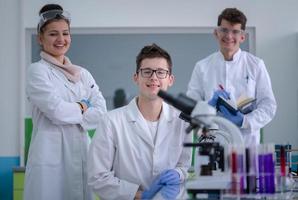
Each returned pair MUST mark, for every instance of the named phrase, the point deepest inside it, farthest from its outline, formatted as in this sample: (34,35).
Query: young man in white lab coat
(232,73)
(138,149)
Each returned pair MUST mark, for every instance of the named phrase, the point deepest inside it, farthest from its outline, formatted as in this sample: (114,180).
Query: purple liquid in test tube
(240,173)
(269,173)
(261,173)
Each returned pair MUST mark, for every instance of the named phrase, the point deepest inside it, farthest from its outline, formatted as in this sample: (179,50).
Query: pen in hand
(222,88)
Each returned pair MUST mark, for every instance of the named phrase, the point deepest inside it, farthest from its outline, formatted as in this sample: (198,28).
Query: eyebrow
(56,31)
(155,68)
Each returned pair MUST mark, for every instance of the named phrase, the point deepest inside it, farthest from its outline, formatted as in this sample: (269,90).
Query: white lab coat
(244,75)
(56,167)
(123,155)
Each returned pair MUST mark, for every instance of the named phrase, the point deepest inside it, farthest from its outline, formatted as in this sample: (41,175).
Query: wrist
(81,107)
(139,192)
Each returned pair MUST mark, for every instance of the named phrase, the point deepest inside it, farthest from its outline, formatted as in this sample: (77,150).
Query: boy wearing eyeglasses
(234,74)
(138,149)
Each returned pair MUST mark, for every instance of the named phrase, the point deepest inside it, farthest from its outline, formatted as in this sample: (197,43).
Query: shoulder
(211,57)
(116,115)
(251,59)
(86,76)
(38,68)
(171,110)
(205,61)
(84,71)
(39,64)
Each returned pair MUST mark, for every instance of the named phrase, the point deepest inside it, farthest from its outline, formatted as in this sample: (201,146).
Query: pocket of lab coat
(251,88)
(47,149)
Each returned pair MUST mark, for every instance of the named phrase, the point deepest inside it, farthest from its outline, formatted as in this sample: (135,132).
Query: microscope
(211,172)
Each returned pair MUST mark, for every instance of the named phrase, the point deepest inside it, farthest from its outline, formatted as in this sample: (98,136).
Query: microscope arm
(230,128)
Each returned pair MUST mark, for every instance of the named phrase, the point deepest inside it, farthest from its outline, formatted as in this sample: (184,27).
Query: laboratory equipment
(228,168)
(208,178)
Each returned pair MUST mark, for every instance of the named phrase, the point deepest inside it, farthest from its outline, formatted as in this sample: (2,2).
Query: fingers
(170,191)
(223,94)
(170,177)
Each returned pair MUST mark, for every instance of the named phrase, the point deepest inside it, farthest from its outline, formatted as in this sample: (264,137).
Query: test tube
(261,181)
(282,168)
(250,163)
(240,172)
(237,169)
(234,164)
(269,169)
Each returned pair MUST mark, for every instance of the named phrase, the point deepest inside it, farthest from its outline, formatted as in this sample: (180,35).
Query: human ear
(215,33)
(243,37)
(135,78)
(39,39)
(171,80)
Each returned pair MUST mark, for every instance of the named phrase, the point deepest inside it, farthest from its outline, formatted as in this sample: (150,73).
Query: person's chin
(153,96)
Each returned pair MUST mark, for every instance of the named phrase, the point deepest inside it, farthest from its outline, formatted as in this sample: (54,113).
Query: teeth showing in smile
(152,85)
(60,45)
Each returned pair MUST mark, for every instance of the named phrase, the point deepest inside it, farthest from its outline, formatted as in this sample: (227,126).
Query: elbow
(65,114)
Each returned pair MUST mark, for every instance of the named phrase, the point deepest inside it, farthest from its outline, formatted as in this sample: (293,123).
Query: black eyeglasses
(160,73)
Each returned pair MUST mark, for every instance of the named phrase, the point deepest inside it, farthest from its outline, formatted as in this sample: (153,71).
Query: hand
(236,119)
(170,177)
(216,94)
(86,103)
(153,189)
(170,192)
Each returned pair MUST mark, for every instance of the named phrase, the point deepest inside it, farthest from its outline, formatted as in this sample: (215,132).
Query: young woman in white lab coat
(137,143)
(66,102)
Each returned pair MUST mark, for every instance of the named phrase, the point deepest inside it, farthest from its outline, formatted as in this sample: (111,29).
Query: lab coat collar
(134,113)
(71,71)
(135,116)
(61,76)
(236,56)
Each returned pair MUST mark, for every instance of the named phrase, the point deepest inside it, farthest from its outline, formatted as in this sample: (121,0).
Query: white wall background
(276,23)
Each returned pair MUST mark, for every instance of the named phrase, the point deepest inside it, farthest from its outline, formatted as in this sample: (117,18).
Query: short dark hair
(46,8)
(153,51)
(234,16)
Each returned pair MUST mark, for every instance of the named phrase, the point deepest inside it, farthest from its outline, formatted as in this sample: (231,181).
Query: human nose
(229,33)
(60,37)
(154,75)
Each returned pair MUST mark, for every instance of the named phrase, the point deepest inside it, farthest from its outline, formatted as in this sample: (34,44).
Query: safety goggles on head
(52,14)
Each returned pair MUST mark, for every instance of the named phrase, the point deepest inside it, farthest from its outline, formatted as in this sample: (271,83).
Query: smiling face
(229,36)
(149,87)
(55,39)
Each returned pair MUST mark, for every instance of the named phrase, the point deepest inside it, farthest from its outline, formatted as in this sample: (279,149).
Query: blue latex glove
(236,119)
(170,192)
(87,102)
(170,177)
(153,189)
(216,94)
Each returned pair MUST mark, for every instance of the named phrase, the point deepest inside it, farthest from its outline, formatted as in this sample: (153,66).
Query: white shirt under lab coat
(244,75)
(123,154)
(57,160)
